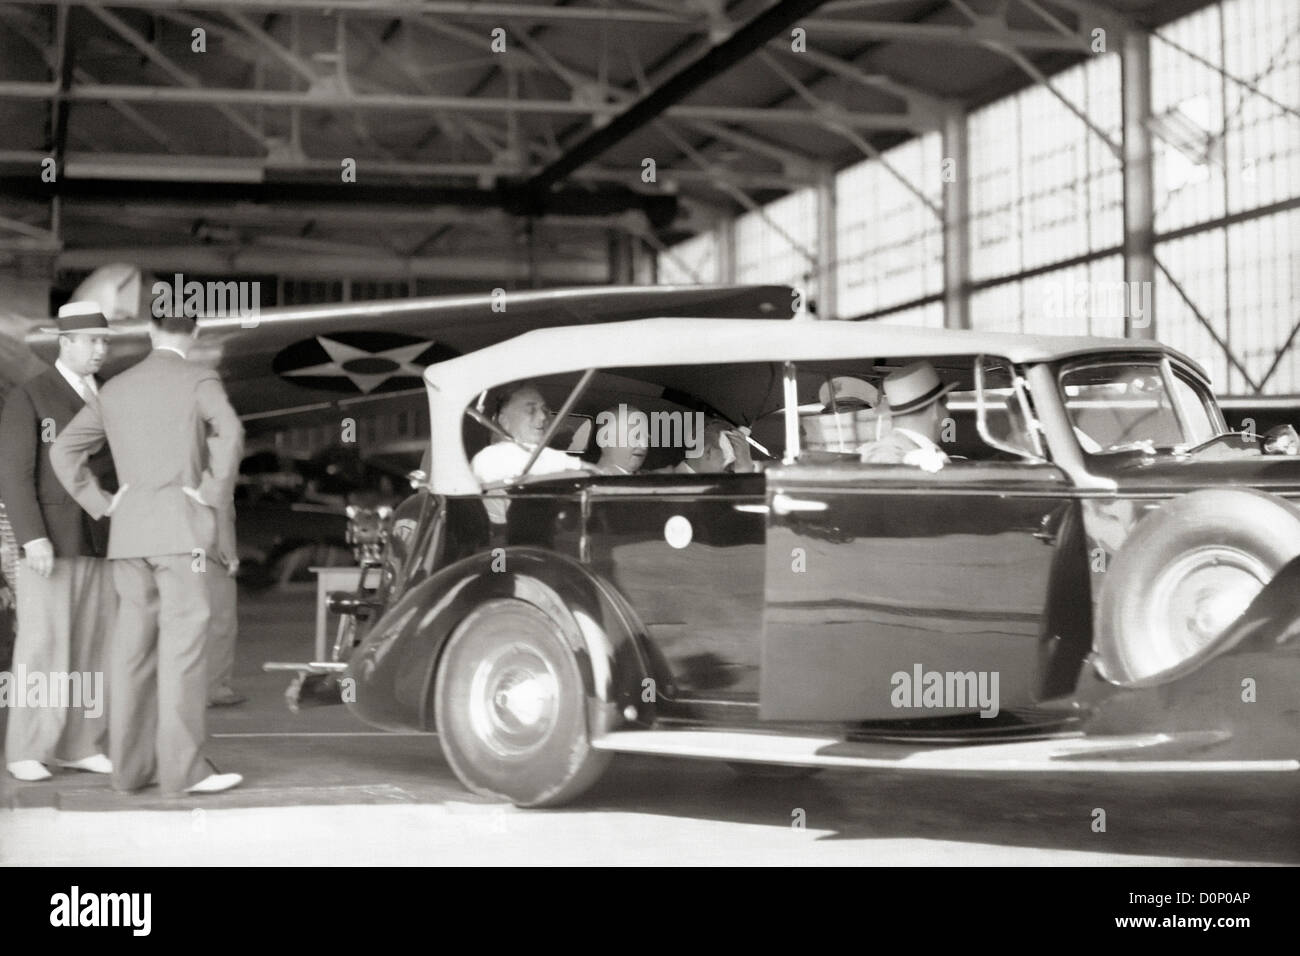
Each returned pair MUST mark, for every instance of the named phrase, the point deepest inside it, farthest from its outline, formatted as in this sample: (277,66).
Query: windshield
(1136,405)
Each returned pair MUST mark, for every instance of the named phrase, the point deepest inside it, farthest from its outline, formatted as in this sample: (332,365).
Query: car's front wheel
(510,708)
(1185,574)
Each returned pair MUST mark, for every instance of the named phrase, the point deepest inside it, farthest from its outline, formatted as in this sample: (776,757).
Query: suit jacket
(38,504)
(170,426)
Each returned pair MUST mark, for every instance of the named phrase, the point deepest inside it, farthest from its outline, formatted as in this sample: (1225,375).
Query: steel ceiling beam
(960,34)
(132,115)
(660,210)
(147,49)
(793,163)
(924,104)
(398,101)
(388,9)
(245,214)
(138,166)
(661,100)
(260,260)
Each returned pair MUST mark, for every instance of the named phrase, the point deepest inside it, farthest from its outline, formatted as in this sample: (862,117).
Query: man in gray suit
(176,444)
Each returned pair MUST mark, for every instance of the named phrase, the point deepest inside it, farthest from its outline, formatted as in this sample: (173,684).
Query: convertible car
(1100,579)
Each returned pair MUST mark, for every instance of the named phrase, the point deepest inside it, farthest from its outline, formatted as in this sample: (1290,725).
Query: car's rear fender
(394,667)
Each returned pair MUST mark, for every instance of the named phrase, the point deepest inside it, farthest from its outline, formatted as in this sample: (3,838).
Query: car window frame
(1169,368)
(1033,427)
(794,450)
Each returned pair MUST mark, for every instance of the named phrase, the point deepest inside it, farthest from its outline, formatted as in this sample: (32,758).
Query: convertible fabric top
(454,384)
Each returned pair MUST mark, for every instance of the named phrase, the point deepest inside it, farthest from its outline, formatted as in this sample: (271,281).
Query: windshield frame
(1170,368)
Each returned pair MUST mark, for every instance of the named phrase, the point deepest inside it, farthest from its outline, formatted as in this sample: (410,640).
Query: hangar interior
(1104,166)
(1116,167)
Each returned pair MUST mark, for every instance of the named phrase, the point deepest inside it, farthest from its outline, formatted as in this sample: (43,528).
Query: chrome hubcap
(514,700)
(1194,601)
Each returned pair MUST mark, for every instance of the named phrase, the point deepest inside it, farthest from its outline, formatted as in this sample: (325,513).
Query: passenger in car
(522,414)
(625,453)
(918,407)
(724,450)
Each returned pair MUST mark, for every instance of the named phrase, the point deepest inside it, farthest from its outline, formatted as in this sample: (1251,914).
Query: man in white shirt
(918,408)
(65,597)
(504,460)
(522,414)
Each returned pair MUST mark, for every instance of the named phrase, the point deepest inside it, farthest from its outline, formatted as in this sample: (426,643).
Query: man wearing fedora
(918,408)
(176,443)
(65,597)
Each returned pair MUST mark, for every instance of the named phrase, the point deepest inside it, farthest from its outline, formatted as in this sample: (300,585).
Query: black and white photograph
(651,433)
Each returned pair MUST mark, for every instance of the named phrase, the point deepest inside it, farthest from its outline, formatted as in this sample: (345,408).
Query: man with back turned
(176,443)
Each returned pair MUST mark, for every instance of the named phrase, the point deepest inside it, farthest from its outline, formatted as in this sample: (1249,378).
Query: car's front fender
(394,667)
(1247,692)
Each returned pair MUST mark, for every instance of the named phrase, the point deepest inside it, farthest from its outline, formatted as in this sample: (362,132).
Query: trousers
(159,673)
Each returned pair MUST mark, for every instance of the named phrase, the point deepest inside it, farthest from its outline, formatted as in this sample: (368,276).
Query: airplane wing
(291,359)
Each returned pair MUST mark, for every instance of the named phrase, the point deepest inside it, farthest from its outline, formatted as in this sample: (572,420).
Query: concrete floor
(322,788)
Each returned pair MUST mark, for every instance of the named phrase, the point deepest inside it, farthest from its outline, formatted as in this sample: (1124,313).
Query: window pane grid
(889,244)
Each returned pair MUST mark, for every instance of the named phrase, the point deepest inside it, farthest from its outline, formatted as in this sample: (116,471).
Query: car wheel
(1184,575)
(511,710)
(772,771)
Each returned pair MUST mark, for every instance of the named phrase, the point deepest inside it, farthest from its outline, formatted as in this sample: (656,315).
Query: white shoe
(215,783)
(96,763)
(29,771)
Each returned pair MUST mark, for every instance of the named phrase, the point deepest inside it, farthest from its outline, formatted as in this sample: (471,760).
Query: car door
(686,553)
(879,570)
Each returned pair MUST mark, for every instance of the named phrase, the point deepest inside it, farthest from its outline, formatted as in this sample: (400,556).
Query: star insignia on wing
(366,370)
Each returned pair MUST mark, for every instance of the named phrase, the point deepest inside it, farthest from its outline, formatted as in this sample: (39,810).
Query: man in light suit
(65,597)
(918,406)
(176,444)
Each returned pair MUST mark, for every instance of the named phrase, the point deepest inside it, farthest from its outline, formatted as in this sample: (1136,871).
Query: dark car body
(775,616)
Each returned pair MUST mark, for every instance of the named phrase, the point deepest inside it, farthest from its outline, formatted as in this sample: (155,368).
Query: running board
(1069,752)
(312,667)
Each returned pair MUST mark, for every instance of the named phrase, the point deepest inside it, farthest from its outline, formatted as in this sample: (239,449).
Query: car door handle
(1046,530)
(751,509)
(784,504)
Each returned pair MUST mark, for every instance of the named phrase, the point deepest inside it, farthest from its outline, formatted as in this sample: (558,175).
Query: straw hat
(83,317)
(913,387)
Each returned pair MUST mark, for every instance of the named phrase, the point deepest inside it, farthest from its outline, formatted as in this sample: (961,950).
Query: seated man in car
(918,408)
(522,414)
(722,449)
(623,448)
